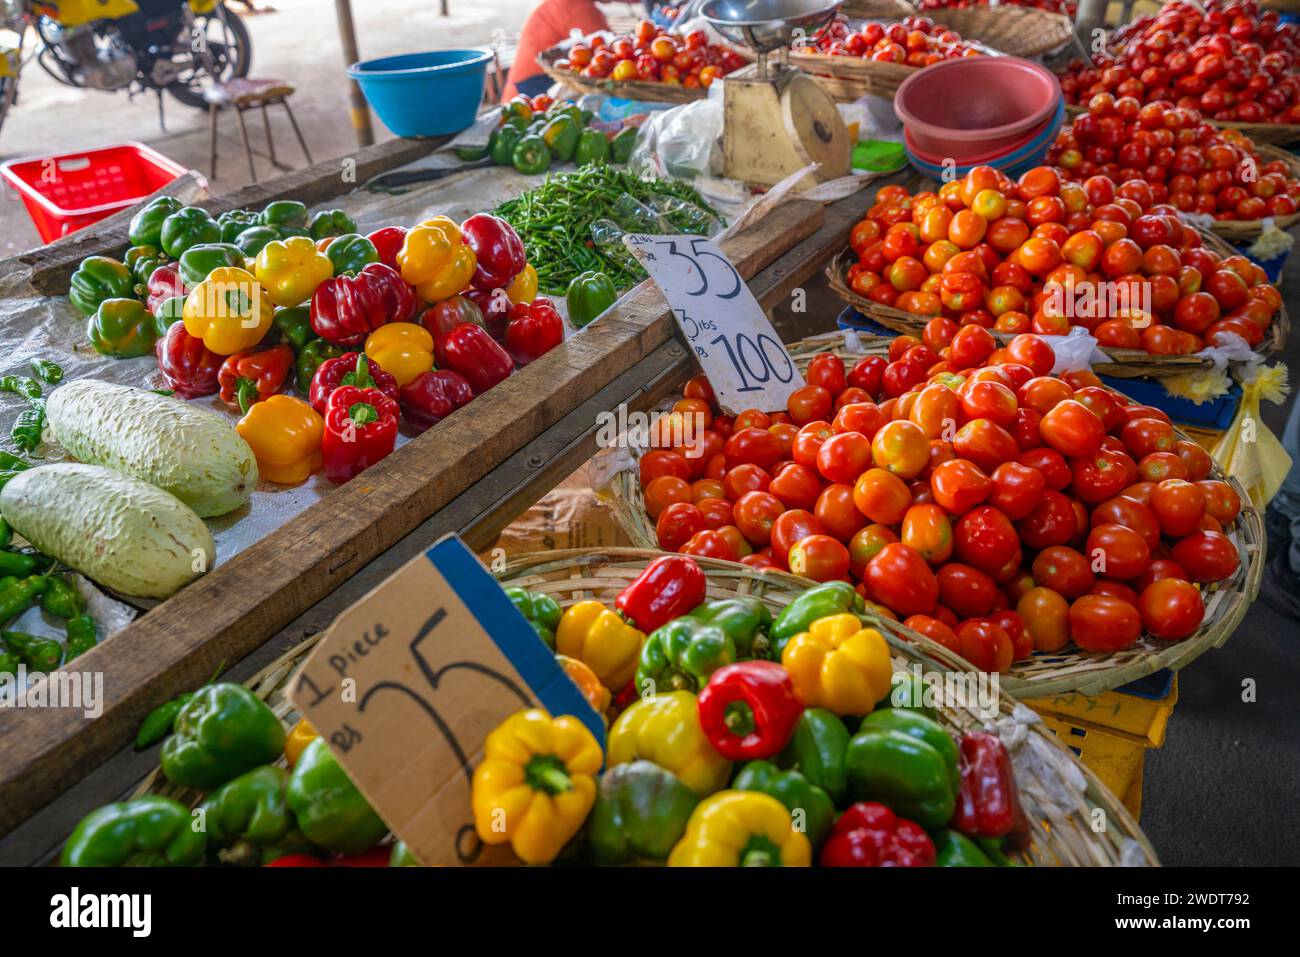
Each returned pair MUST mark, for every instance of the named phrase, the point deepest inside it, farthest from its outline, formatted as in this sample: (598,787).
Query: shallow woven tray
(1060,795)
(1248,230)
(846,78)
(1124,363)
(1015,31)
(643,90)
(1265,134)
(1070,670)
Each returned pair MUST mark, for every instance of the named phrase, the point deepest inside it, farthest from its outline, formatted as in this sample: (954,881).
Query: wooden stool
(245,94)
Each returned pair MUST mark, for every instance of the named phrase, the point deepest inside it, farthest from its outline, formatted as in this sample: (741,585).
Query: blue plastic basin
(424,94)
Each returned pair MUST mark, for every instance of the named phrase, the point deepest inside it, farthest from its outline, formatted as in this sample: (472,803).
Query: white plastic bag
(1075,351)
(679,142)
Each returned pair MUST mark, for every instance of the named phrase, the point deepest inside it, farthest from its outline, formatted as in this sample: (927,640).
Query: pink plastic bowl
(976,106)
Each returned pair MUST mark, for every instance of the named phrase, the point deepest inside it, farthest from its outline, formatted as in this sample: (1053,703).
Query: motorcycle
(141,46)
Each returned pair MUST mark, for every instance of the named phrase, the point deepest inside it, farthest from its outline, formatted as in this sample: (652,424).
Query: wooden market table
(469,474)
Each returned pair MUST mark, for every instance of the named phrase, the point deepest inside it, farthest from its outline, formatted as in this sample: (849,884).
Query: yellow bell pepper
(741,829)
(536,784)
(839,665)
(299,736)
(435,260)
(601,639)
(285,435)
(665,730)
(523,288)
(291,269)
(402,349)
(230,311)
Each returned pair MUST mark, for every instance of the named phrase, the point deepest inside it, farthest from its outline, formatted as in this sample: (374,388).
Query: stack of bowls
(979,111)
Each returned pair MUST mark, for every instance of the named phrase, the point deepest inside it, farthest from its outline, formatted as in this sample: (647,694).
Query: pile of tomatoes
(1232,63)
(964,490)
(1043,254)
(654,55)
(1191,164)
(1067,7)
(913,41)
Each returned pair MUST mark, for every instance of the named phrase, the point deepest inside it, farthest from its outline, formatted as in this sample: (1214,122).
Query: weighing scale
(778,120)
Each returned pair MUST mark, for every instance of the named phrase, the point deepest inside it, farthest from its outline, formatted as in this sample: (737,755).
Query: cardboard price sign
(408,683)
(742,355)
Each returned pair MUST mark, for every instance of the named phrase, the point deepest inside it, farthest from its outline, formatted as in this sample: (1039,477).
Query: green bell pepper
(149,831)
(331,222)
(235,221)
(284,213)
(466,154)
(682,654)
(957,850)
(309,359)
(198,261)
(169,313)
(921,727)
(251,240)
(79,636)
(122,328)
(330,810)
(818,749)
(745,620)
(620,147)
(96,279)
(220,733)
(640,813)
(903,772)
(62,599)
(350,253)
(251,808)
(589,294)
(142,261)
(145,228)
(188,226)
(810,807)
(531,156)
(501,144)
(593,147)
(541,611)
(828,598)
(293,323)
(908,693)
(561,136)
(37,652)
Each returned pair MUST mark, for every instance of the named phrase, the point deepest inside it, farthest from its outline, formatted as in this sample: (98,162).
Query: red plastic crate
(63,193)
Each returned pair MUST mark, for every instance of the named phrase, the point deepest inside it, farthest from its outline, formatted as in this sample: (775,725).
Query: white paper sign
(739,350)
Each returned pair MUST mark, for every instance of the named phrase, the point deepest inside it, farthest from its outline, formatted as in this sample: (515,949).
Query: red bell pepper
(469,350)
(495,306)
(988,804)
(388,243)
(296,860)
(349,370)
(189,368)
(164,283)
(668,588)
(360,429)
(498,249)
(871,835)
(432,396)
(346,309)
(442,317)
(748,710)
(534,329)
(248,377)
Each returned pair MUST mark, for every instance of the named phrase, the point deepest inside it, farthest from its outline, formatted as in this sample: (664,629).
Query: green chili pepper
(79,635)
(10,461)
(19,596)
(28,428)
(36,652)
(47,371)
(22,385)
(285,212)
(14,563)
(6,536)
(158,723)
(331,222)
(62,599)
(145,228)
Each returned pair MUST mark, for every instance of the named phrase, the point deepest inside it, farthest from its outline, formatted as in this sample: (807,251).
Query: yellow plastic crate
(1110,733)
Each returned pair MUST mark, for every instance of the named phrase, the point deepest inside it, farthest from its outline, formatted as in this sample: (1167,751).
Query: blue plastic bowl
(425,94)
(1018,161)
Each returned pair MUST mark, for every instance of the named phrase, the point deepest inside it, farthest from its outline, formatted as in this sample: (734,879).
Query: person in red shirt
(551,22)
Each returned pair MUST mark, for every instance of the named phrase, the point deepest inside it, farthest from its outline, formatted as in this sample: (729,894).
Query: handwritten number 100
(753,359)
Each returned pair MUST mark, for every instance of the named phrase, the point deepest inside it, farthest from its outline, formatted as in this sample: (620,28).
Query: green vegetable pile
(572,222)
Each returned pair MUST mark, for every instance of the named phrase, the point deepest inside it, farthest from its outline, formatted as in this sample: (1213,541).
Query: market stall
(921,345)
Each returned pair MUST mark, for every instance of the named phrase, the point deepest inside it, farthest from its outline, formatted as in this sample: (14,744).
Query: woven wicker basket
(643,90)
(1265,134)
(1060,795)
(846,78)
(878,9)
(1071,670)
(1245,231)
(1015,31)
(1124,363)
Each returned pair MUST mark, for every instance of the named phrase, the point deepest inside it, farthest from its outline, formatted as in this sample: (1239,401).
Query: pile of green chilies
(554,221)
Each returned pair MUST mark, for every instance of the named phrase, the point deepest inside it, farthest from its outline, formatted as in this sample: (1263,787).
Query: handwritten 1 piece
(737,347)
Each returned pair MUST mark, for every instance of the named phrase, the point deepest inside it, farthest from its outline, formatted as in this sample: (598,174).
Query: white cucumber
(190,452)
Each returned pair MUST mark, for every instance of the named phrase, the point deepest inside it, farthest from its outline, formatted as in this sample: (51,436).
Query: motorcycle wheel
(231,50)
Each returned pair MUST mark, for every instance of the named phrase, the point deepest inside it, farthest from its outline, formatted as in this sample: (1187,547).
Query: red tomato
(1207,556)
(1144,436)
(677,524)
(1115,589)
(754,446)
(1032,351)
(717,512)
(1101,475)
(959,485)
(842,457)
(899,447)
(935,630)
(1063,570)
(985,443)
(865,544)
(1131,514)
(985,644)
(797,486)
(808,441)
(789,528)
(809,404)
(827,371)
(1022,643)
(881,496)
(899,578)
(754,514)
(745,478)
(664,491)
(927,530)
(1072,429)
(966,590)
(1017,489)
(1171,609)
(1221,500)
(710,544)
(984,537)
(836,510)
(1178,505)
(1102,623)
(1046,615)
(820,558)
(1052,522)
(1056,471)
(866,374)
(862,417)
(970,347)
(1117,552)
